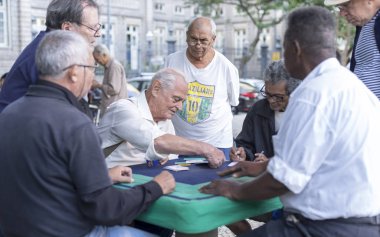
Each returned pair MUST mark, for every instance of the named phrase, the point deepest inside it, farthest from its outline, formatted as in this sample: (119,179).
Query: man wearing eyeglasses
(52,171)
(213,87)
(264,118)
(365,60)
(81,16)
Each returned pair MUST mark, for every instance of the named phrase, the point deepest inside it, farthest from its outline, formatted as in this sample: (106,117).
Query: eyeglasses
(95,29)
(203,42)
(275,97)
(92,67)
(343,6)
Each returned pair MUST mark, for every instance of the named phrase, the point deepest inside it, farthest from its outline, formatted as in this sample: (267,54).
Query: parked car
(258,83)
(248,96)
(142,82)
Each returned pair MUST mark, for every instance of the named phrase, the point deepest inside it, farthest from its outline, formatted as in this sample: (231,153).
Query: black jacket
(258,129)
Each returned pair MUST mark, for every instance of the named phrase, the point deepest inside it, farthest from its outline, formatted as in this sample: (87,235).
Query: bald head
(202,23)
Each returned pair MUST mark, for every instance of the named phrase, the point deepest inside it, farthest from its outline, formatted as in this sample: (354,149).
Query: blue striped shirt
(367,58)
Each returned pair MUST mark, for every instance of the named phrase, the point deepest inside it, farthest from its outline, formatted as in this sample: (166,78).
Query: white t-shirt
(327,148)
(206,114)
(131,121)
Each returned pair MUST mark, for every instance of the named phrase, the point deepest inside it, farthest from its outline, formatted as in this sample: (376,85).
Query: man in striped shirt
(365,60)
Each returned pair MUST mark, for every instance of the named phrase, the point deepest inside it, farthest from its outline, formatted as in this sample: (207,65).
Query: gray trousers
(303,227)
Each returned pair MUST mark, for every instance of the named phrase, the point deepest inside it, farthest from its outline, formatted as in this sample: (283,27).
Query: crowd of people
(311,140)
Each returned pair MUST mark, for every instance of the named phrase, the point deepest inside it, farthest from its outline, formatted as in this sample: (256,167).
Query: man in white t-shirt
(326,161)
(213,87)
(138,129)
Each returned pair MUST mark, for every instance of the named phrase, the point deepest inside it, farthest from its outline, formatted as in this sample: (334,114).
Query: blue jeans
(118,231)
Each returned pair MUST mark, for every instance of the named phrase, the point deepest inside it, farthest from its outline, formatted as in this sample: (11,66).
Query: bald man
(213,87)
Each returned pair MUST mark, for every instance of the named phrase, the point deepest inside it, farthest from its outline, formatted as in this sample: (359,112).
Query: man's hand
(215,157)
(245,168)
(166,181)
(260,157)
(163,161)
(237,154)
(95,84)
(225,188)
(120,174)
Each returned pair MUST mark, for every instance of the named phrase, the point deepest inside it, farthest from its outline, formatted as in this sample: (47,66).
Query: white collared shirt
(131,121)
(327,149)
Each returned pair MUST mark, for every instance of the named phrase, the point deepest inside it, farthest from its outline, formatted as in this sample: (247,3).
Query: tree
(260,13)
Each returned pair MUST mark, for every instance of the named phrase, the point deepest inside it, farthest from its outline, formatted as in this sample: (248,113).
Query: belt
(373,220)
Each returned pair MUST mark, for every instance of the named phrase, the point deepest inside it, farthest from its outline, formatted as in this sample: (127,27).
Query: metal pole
(108,42)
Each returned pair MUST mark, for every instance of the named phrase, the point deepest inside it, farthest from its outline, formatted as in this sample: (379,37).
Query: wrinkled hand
(245,168)
(237,154)
(215,158)
(260,157)
(225,188)
(120,174)
(166,181)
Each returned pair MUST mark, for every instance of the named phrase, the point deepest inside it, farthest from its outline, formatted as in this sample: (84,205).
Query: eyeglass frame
(277,97)
(82,65)
(193,41)
(91,28)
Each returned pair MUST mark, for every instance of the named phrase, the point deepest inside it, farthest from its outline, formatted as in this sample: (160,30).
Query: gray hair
(167,77)
(314,29)
(211,21)
(60,11)
(276,72)
(101,49)
(60,49)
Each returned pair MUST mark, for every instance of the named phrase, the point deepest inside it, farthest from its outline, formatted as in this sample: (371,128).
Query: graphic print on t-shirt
(198,104)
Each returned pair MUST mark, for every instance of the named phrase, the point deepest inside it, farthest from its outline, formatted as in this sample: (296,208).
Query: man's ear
(156,87)
(72,74)
(66,26)
(297,48)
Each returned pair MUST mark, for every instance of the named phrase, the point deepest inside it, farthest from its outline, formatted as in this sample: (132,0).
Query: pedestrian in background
(114,85)
(81,16)
(365,60)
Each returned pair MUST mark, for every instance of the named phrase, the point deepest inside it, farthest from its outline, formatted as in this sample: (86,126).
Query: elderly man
(213,87)
(53,176)
(74,15)
(325,167)
(114,86)
(140,129)
(264,118)
(365,60)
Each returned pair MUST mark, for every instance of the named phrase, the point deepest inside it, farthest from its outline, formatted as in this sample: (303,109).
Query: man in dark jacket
(52,171)
(264,118)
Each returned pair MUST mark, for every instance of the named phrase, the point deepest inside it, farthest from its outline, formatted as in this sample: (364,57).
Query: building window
(219,41)
(180,38)
(132,46)
(178,10)
(111,35)
(38,24)
(159,7)
(240,41)
(3,23)
(159,41)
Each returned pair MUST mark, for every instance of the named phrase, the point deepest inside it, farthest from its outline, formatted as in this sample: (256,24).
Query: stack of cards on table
(176,168)
(193,160)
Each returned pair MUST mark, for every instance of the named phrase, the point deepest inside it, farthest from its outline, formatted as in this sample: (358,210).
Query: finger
(208,189)
(229,171)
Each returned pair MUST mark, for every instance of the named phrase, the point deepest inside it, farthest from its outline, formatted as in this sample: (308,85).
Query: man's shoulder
(224,60)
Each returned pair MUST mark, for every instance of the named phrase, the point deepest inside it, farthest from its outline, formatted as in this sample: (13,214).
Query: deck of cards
(176,168)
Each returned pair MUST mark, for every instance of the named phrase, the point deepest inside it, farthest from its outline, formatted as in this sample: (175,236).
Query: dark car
(249,94)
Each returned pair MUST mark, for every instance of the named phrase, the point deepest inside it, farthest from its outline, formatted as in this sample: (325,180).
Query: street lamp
(264,56)
(149,54)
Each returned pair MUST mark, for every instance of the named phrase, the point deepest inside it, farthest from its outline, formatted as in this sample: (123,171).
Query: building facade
(139,33)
